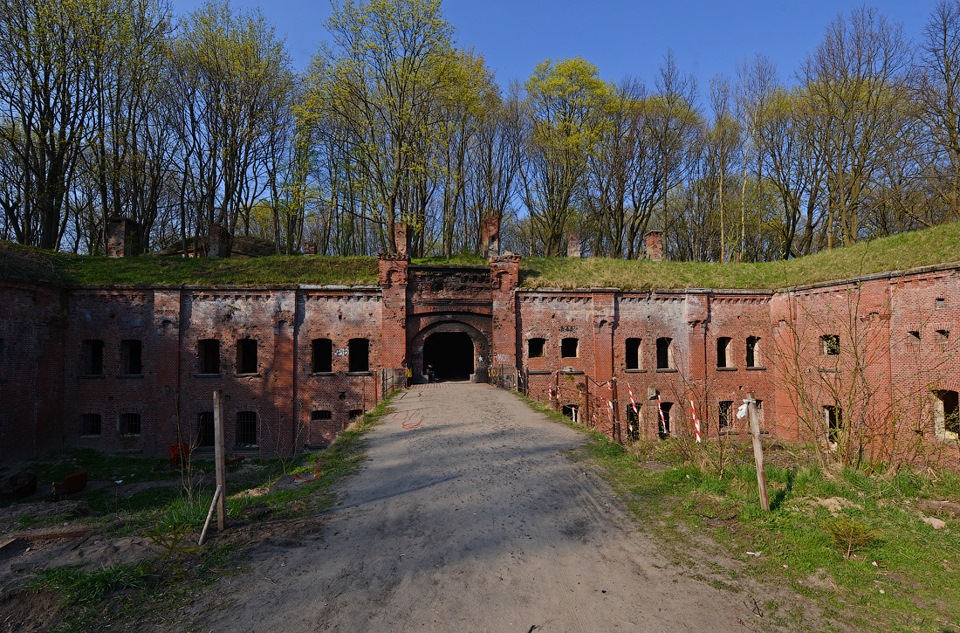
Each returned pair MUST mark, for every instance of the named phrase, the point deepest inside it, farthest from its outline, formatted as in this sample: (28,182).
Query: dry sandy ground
(468,516)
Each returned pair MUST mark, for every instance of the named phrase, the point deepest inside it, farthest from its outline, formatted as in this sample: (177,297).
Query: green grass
(905,251)
(904,579)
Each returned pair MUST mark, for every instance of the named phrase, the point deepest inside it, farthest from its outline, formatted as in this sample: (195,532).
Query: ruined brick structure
(134,369)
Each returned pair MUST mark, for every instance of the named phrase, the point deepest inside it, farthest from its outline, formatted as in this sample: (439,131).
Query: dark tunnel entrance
(450,354)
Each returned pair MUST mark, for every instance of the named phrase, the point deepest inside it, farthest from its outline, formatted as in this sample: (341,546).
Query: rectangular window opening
(664,353)
(633,423)
(535,347)
(572,411)
(724,360)
(247,429)
(91,424)
(91,357)
(833,419)
(633,357)
(131,357)
(321,415)
(664,421)
(247,356)
(359,354)
(205,430)
(725,411)
(753,352)
(830,344)
(946,415)
(569,348)
(943,339)
(208,356)
(129,424)
(322,356)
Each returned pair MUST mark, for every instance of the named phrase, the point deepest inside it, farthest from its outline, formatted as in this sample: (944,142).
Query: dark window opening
(913,338)
(91,424)
(322,356)
(569,348)
(941,302)
(725,414)
(359,354)
(205,430)
(946,415)
(208,356)
(535,347)
(664,353)
(723,352)
(664,415)
(633,354)
(572,411)
(833,418)
(247,429)
(633,423)
(129,424)
(354,414)
(247,356)
(321,415)
(830,344)
(943,339)
(91,357)
(753,352)
(131,357)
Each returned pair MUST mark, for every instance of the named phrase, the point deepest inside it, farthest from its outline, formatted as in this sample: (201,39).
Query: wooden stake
(220,458)
(758,451)
(206,524)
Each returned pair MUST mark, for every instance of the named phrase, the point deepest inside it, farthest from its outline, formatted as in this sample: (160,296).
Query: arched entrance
(450,354)
(455,349)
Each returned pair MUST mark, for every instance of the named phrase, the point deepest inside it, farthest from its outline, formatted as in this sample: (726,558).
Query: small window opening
(664,353)
(359,354)
(723,352)
(569,348)
(355,414)
(247,429)
(129,424)
(943,339)
(633,423)
(833,418)
(247,356)
(208,356)
(572,411)
(91,424)
(321,415)
(664,419)
(753,352)
(131,357)
(913,338)
(941,302)
(91,357)
(535,347)
(725,414)
(633,354)
(830,344)
(322,356)
(946,415)
(205,430)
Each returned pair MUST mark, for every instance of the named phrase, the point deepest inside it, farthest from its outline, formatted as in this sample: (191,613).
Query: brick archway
(453,336)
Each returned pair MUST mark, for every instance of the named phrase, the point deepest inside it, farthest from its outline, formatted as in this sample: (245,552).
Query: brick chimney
(122,237)
(490,245)
(653,245)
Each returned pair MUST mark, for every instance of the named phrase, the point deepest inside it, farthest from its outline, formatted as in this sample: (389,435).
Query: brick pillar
(604,322)
(281,376)
(573,245)
(653,245)
(505,276)
(172,363)
(393,327)
(402,239)
(490,246)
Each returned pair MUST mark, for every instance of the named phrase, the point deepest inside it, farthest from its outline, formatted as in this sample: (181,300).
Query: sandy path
(470,519)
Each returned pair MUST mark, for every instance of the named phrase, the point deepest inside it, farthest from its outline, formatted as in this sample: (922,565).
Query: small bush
(850,535)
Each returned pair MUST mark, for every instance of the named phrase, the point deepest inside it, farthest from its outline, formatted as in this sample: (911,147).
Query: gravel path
(468,516)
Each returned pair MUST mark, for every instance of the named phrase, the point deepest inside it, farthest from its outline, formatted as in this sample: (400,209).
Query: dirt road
(468,516)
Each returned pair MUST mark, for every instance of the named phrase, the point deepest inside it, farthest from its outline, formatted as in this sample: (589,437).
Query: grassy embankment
(900,252)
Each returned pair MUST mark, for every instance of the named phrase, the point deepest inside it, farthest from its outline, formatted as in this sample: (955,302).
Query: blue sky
(621,38)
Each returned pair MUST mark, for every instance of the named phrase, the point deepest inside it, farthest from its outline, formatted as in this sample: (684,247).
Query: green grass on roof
(906,251)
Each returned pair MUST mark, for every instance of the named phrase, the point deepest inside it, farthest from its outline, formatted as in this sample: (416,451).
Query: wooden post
(758,451)
(617,434)
(586,392)
(220,459)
